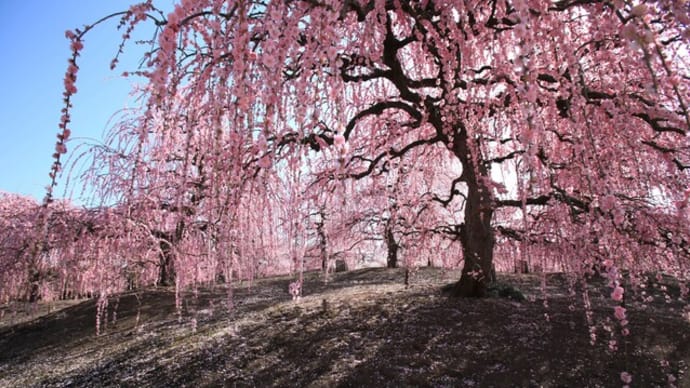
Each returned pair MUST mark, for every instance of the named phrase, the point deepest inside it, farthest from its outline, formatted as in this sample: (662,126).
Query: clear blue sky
(34,54)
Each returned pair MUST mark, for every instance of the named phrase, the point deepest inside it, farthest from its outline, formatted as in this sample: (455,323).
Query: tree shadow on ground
(363,328)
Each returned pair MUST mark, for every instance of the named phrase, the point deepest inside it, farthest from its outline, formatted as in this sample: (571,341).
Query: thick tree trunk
(166,270)
(34,285)
(392,245)
(476,233)
(166,266)
(478,245)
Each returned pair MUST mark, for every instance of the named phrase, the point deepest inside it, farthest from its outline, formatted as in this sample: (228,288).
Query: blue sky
(35,52)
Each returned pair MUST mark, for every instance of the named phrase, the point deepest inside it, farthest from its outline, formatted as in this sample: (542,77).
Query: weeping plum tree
(18,271)
(81,252)
(569,119)
(28,273)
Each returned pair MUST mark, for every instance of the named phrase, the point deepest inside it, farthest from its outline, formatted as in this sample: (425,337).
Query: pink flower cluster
(619,313)
(139,11)
(295,289)
(167,42)
(266,161)
(617,293)
(70,79)
(71,75)
(341,145)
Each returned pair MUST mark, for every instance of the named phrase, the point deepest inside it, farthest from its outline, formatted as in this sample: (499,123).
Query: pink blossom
(139,11)
(243,103)
(77,45)
(531,93)
(295,290)
(619,312)
(69,85)
(167,41)
(617,294)
(72,69)
(261,144)
(613,345)
(428,131)
(339,140)
(344,149)
(174,17)
(265,162)
(608,203)
(60,148)
(64,120)
(626,377)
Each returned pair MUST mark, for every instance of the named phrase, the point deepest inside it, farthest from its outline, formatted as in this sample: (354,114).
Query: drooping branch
(453,192)
(392,154)
(657,124)
(577,205)
(380,107)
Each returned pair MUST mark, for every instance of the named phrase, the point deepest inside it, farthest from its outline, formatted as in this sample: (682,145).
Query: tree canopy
(548,135)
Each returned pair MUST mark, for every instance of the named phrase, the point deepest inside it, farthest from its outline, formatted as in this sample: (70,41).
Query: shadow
(439,342)
(411,337)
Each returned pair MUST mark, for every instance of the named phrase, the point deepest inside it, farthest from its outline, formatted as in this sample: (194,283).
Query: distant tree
(569,120)
(17,234)
(59,251)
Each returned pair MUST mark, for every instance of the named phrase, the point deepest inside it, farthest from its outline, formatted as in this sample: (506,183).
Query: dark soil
(363,328)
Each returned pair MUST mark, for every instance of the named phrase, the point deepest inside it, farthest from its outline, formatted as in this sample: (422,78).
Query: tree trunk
(521,266)
(166,271)
(323,244)
(34,285)
(167,241)
(476,233)
(392,245)
(477,244)
(36,275)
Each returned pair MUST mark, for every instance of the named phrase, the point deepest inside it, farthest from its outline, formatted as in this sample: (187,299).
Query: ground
(362,328)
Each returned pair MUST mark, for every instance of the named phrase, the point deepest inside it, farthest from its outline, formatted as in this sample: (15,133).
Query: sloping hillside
(363,328)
